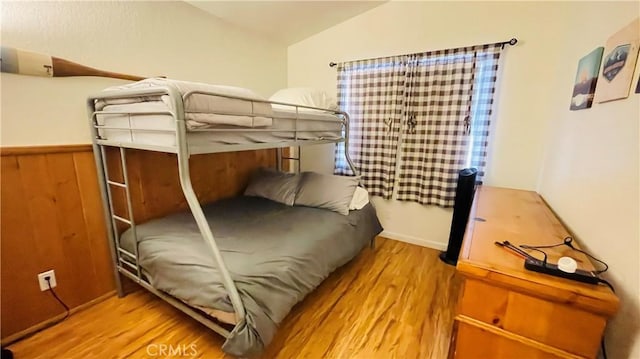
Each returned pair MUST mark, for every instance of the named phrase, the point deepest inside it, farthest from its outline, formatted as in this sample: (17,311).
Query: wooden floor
(395,301)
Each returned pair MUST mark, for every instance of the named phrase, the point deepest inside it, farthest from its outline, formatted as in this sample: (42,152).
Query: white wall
(173,39)
(590,175)
(532,119)
(406,27)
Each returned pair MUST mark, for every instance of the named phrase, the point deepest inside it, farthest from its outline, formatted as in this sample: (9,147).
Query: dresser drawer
(481,341)
(554,324)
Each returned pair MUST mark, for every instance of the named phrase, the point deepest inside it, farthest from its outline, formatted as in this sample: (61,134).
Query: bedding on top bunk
(310,126)
(276,254)
(200,110)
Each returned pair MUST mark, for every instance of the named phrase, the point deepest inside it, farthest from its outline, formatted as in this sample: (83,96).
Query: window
(417,120)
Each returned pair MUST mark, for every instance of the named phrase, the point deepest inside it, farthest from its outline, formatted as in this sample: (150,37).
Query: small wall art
(586,79)
(618,63)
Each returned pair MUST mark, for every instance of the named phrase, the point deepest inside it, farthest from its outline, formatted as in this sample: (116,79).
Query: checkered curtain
(484,88)
(372,93)
(446,122)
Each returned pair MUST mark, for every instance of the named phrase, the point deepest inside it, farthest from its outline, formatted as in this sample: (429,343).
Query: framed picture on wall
(618,63)
(638,86)
(584,86)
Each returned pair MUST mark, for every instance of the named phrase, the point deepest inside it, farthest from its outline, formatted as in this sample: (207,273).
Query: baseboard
(414,240)
(23,333)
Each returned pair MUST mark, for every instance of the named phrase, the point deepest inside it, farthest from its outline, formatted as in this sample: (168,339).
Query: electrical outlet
(43,282)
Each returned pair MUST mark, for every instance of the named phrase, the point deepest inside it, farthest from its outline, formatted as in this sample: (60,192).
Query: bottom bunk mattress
(275,254)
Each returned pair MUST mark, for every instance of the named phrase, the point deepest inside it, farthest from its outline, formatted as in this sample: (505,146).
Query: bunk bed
(265,256)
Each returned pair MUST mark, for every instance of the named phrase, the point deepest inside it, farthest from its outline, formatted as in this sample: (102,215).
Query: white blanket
(202,110)
(193,120)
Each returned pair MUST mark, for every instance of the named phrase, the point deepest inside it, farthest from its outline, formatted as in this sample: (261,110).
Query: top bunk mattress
(275,254)
(242,117)
(160,129)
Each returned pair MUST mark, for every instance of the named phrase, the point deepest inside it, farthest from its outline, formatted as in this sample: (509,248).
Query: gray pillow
(326,191)
(276,186)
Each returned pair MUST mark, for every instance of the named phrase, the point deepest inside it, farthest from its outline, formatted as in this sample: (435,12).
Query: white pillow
(303,96)
(360,199)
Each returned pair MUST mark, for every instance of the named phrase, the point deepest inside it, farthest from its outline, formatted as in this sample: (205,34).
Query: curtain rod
(511,42)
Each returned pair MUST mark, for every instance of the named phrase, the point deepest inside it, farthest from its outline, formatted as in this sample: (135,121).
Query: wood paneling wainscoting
(155,187)
(52,218)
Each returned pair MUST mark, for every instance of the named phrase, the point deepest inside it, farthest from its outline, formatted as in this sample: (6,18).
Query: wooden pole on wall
(22,62)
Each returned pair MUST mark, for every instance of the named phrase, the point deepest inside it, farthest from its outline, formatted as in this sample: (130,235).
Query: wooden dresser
(506,311)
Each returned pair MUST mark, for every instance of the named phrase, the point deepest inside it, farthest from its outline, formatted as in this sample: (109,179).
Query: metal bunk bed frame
(183,151)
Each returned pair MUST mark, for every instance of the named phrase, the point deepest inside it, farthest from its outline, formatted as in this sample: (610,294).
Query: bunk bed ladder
(121,252)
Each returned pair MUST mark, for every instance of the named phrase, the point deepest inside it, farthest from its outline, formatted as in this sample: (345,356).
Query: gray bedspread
(275,254)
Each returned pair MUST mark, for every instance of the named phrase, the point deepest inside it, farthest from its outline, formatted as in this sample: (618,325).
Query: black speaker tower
(462,206)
